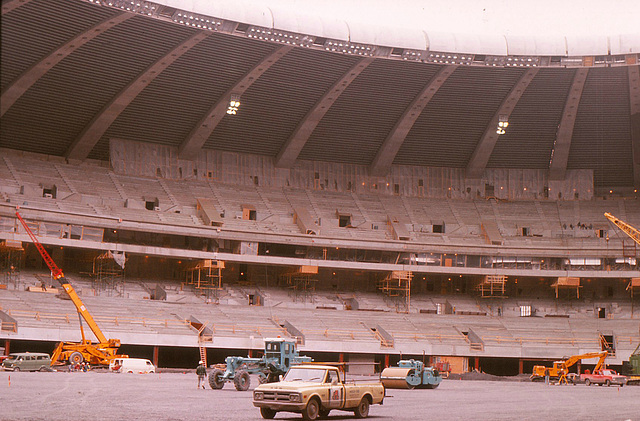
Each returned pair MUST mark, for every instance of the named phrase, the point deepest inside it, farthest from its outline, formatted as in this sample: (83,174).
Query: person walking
(201,371)
(546,376)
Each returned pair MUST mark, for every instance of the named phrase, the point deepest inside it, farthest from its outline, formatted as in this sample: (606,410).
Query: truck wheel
(16,368)
(312,411)
(362,410)
(607,383)
(242,380)
(75,358)
(587,382)
(215,379)
(267,413)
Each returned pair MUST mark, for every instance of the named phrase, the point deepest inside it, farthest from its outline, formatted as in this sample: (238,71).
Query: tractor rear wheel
(242,381)
(215,379)
(75,358)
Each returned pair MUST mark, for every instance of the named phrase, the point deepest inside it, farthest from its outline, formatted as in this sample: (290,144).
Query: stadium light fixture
(234,104)
(503,123)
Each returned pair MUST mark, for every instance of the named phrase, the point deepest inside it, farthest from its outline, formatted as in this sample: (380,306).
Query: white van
(131,365)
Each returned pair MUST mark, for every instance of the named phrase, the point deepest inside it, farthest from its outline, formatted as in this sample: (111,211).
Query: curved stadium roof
(77,73)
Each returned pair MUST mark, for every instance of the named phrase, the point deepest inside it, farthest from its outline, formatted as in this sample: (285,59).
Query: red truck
(603,376)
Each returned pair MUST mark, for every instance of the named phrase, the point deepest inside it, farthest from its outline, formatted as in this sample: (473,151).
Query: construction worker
(201,371)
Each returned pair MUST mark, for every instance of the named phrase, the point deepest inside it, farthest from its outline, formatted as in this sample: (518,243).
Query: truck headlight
(295,397)
(258,396)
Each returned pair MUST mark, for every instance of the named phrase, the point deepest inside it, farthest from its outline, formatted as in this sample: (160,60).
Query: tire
(215,379)
(76,358)
(312,410)
(362,410)
(242,381)
(16,368)
(43,369)
(267,413)
(587,382)
(607,383)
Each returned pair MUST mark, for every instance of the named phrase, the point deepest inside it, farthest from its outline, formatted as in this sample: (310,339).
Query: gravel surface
(174,396)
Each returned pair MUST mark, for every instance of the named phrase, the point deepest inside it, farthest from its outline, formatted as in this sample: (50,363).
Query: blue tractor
(279,355)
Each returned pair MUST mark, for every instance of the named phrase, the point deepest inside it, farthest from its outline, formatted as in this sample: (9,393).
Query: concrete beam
(562,144)
(10,5)
(291,149)
(94,131)
(200,133)
(174,253)
(634,110)
(391,145)
(15,90)
(484,149)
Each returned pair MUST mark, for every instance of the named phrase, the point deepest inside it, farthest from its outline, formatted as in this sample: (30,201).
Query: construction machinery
(410,374)
(560,368)
(279,356)
(634,363)
(100,353)
(634,234)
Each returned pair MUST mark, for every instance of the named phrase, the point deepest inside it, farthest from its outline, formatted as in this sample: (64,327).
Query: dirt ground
(174,396)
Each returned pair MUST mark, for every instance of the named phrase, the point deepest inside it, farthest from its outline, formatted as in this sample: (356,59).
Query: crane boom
(630,230)
(575,358)
(59,276)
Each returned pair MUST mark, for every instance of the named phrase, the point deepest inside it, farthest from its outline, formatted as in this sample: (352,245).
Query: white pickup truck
(314,391)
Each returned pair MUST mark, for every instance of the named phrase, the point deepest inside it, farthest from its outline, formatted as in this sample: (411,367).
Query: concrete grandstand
(364,197)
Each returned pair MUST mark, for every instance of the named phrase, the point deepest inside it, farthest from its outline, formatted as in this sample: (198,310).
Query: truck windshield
(297,374)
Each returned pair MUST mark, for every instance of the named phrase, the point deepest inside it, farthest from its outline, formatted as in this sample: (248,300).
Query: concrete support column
(520,366)
(156,349)
(7,344)
(250,353)
(341,357)
(386,360)
(476,363)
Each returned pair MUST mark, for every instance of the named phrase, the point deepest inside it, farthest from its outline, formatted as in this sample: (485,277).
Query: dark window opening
(438,228)
(489,190)
(344,220)
(602,313)
(49,192)
(255,180)
(396,188)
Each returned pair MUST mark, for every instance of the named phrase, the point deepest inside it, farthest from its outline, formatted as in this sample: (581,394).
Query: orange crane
(100,353)
(631,231)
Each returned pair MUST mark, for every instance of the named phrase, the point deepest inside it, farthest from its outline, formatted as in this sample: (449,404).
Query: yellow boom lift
(100,353)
